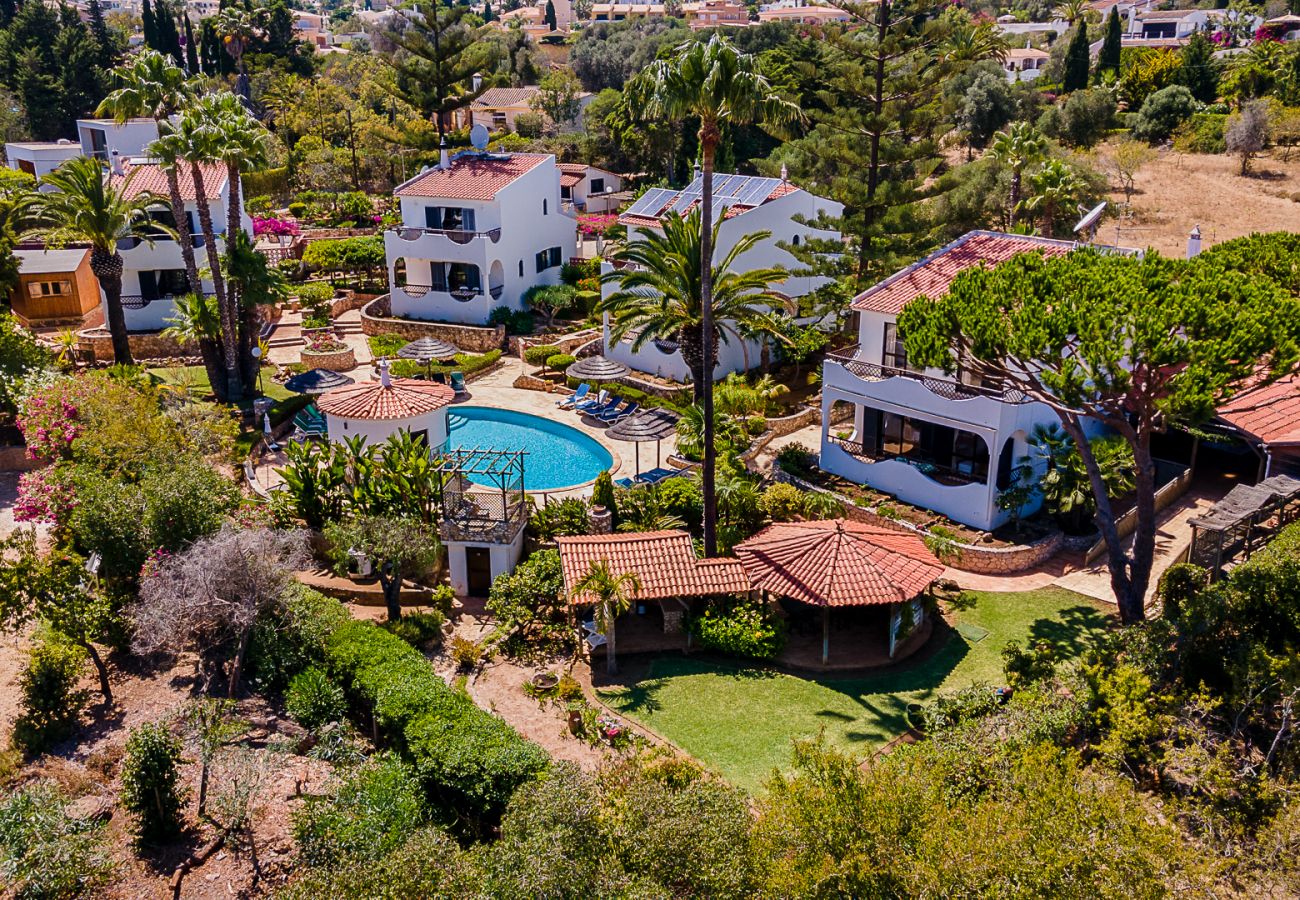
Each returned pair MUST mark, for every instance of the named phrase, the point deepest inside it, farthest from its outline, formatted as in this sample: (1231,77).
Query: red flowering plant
(592,224)
(154,562)
(324,342)
(275,226)
(48,419)
(45,496)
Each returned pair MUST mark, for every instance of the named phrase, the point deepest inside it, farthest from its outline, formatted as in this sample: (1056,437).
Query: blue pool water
(559,455)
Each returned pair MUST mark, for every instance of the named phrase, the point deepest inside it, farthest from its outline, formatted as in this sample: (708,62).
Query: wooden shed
(56,287)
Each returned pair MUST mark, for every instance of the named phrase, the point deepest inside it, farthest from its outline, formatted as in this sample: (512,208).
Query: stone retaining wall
(970,557)
(809,415)
(335,360)
(533,383)
(470,338)
(349,301)
(145,345)
(567,343)
(15,459)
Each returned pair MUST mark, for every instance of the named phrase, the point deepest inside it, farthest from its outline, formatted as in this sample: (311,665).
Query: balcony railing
(197,241)
(943,387)
(139,301)
(951,476)
(456,235)
(463,294)
(496,291)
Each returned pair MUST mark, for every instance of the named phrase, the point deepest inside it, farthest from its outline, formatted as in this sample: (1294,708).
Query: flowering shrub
(592,224)
(745,629)
(154,562)
(45,496)
(324,342)
(276,227)
(48,419)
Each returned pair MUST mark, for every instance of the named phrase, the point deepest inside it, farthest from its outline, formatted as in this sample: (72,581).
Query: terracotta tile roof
(472,177)
(1026,53)
(933,275)
(500,97)
(142,177)
(664,561)
(838,563)
(404,398)
(1269,413)
(570,179)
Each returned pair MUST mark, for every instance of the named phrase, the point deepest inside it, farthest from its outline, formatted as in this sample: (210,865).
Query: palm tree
(86,207)
(614,595)
(238,28)
(196,320)
(1072,10)
(969,42)
(1055,186)
(1019,146)
(661,294)
(194,140)
(715,82)
(154,86)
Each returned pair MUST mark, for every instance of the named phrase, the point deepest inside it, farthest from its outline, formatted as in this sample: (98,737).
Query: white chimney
(385,380)
(1194,242)
(115,163)
(444,158)
(785,174)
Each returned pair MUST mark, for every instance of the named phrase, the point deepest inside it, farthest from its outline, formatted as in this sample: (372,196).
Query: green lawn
(740,720)
(195,380)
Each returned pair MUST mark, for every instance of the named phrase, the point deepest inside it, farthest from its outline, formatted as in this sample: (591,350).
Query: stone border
(375,319)
(344,360)
(568,343)
(972,557)
(145,345)
(17,459)
(808,415)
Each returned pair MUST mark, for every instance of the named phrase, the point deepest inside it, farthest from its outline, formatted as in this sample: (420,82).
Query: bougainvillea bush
(592,224)
(275,227)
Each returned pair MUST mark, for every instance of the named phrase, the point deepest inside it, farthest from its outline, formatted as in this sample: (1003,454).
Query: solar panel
(651,203)
(757,190)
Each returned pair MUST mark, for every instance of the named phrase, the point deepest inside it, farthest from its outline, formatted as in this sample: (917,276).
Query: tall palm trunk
(246,311)
(107,267)
(692,348)
(1015,195)
(709,137)
(183,236)
(229,336)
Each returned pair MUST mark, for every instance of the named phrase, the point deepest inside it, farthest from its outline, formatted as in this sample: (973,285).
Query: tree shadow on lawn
(1072,631)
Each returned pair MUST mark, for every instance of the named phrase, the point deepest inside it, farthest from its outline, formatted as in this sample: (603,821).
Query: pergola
(1243,521)
(841,563)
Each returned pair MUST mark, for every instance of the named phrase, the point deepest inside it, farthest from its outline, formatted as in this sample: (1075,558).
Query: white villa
(745,204)
(102,138)
(942,443)
(1024,63)
(40,158)
(477,231)
(588,189)
(154,275)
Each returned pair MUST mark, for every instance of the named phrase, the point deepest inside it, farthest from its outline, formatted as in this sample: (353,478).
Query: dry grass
(1179,190)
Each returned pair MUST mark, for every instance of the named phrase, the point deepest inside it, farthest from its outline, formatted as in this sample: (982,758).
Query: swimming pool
(559,455)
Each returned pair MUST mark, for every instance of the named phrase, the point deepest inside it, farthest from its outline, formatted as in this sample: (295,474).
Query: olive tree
(399,548)
(209,597)
(1137,344)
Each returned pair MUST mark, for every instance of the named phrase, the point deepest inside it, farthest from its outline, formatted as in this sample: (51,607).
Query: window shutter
(148,285)
(432,217)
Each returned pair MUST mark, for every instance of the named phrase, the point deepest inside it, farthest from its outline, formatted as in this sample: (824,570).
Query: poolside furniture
(597,411)
(440,377)
(658,474)
(308,423)
(458,384)
(624,482)
(593,635)
(615,415)
(599,402)
(576,397)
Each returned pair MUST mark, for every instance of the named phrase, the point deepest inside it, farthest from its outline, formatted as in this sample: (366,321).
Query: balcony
(455,235)
(463,294)
(951,476)
(947,388)
(139,301)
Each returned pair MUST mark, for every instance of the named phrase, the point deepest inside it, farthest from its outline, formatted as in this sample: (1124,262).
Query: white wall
(129,139)
(377,432)
(503,558)
(44,158)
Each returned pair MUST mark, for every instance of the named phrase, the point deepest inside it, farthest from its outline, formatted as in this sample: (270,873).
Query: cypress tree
(169,40)
(106,51)
(1197,70)
(1108,58)
(1076,61)
(550,14)
(191,48)
(8,9)
(487,10)
(150,27)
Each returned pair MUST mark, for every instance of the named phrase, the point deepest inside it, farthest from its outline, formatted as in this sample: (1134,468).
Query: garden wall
(568,343)
(15,459)
(809,415)
(144,345)
(349,301)
(972,557)
(335,361)
(470,338)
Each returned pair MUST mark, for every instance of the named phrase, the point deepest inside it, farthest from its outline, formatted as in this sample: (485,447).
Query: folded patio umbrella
(317,381)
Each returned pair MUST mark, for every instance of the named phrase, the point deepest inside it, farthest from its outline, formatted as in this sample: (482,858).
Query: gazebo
(317,381)
(650,425)
(841,563)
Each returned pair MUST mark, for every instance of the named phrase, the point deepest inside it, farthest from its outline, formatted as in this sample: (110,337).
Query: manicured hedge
(468,757)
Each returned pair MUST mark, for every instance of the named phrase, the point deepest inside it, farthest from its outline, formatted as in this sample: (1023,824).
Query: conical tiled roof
(838,563)
(402,398)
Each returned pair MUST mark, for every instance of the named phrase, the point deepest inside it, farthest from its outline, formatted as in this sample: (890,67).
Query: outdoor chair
(655,475)
(624,482)
(593,635)
(598,402)
(308,423)
(598,411)
(458,383)
(617,415)
(440,377)
(576,397)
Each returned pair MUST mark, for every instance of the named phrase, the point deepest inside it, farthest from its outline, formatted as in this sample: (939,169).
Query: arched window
(1005,461)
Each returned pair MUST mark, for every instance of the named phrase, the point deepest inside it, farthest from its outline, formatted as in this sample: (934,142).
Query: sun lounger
(653,476)
(458,383)
(615,415)
(597,411)
(576,397)
(597,402)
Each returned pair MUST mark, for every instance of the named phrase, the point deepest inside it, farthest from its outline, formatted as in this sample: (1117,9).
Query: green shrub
(745,628)
(373,810)
(683,498)
(560,518)
(533,589)
(315,293)
(572,273)
(466,654)
(359,255)
(441,598)
(298,209)
(951,709)
(44,854)
(151,789)
(386,344)
(537,356)
(51,703)
(781,502)
(797,459)
(465,755)
(284,643)
(529,125)
(560,361)
(1163,112)
(755,425)
(1024,666)
(418,629)
(258,206)
(313,700)
(516,321)
(1202,133)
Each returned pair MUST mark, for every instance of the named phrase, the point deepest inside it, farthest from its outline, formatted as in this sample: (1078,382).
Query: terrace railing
(464,295)
(946,475)
(947,388)
(456,235)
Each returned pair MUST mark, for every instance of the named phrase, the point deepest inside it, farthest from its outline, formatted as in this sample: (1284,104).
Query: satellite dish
(1088,224)
(478,136)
